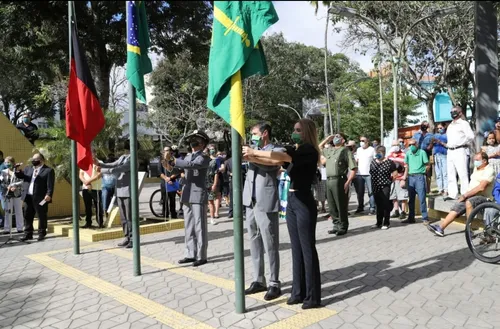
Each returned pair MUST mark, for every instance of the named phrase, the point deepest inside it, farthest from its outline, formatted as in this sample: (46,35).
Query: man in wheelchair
(480,191)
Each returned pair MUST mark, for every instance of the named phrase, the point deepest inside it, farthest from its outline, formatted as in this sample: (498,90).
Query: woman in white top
(92,193)
(12,190)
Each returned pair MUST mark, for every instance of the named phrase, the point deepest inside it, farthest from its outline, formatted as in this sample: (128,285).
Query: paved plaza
(401,278)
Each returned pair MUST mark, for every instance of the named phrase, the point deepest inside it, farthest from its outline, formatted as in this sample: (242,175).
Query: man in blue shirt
(439,141)
(424,138)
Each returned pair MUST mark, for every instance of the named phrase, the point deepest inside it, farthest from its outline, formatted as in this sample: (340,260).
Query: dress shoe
(124,243)
(85,226)
(309,306)
(186,260)
(255,287)
(5,232)
(27,237)
(129,245)
(200,262)
(334,231)
(293,301)
(20,231)
(272,293)
(41,237)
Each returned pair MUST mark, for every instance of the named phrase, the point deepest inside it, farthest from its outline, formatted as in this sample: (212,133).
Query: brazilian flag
(138,62)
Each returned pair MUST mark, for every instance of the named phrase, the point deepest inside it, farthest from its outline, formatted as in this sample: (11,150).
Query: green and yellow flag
(235,54)
(138,62)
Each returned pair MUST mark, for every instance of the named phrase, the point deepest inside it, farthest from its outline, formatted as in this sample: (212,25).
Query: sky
(298,23)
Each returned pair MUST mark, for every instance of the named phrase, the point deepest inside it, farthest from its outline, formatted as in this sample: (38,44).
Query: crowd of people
(290,182)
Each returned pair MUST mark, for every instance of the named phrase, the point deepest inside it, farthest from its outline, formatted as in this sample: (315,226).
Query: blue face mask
(378,156)
(441,131)
(26,120)
(478,163)
(337,141)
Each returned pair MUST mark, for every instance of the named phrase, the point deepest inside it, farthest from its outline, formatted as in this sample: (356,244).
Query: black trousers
(93,197)
(168,204)
(33,208)
(230,213)
(384,205)
(301,218)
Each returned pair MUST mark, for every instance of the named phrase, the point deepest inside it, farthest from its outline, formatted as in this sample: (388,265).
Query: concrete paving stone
(62,324)
(350,314)
(347,326)
(434,308)
(473,322)
(439,323)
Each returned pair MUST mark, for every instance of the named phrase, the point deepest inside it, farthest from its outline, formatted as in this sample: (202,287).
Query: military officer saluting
(340,171)
(195,198)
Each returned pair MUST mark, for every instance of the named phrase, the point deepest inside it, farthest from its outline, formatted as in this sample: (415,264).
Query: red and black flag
(84,116)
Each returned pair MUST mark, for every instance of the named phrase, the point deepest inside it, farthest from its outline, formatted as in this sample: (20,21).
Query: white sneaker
(212,221)
(385,227)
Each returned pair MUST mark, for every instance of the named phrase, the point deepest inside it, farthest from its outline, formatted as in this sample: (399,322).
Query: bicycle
(487,250)
(157,204)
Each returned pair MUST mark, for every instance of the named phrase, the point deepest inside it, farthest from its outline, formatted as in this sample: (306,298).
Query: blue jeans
(107,195)
(417,186)
(359,184)
(441,172)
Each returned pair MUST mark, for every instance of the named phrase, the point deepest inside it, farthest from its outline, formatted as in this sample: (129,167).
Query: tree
(180,99)
(38,28)
(360,104)
(58,147)
(439,46)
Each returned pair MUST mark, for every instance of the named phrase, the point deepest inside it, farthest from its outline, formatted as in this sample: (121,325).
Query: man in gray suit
(260,196)
(195,199)
(121,169)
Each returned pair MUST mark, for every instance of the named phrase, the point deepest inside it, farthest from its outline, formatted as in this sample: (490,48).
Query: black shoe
(334,231)
(85,226)
(272,293)
(101,225)
(371,212)
(174,216)
(41,237)
(403,215)
(408,221)
(129,245)
(186,260)
(200,262)
(293,301)
(5,232)
(27,237)
(358,211)
(20,231)
(124,243)
(255,287)
(309,306)
(339,233)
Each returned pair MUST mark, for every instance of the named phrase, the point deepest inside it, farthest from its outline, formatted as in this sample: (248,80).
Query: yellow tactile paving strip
(300,320)
(146,306)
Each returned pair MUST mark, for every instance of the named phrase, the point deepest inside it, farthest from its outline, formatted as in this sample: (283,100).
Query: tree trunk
(6,107)
(430,111)
(103,78)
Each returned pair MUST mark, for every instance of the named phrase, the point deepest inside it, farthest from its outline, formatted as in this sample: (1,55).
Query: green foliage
(180,98)
(57,147)
(360,109)
(34,46)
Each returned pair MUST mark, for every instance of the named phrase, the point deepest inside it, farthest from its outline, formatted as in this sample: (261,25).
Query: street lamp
(291,108)
(298,114)
(397,52)
(339,103)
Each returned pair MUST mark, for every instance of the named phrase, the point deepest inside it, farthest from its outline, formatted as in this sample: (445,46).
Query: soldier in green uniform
(340,171)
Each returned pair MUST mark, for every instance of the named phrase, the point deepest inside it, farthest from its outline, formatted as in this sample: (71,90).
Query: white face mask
(394,149)
(362,144)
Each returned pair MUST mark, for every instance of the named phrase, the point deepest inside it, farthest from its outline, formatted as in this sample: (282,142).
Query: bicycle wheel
(484,242)
(156,204)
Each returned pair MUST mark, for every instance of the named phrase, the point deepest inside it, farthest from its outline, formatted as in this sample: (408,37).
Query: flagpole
(74,167)
(236,96)
(134,178)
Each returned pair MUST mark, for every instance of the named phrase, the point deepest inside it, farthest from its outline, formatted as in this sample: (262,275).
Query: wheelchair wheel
(156,204)
(484,242)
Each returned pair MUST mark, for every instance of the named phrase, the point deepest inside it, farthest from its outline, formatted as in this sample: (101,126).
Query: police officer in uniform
(195,198)
(340,171)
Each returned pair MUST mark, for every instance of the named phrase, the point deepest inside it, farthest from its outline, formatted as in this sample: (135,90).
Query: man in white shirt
(479,191)
(364,157)
(460,136)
